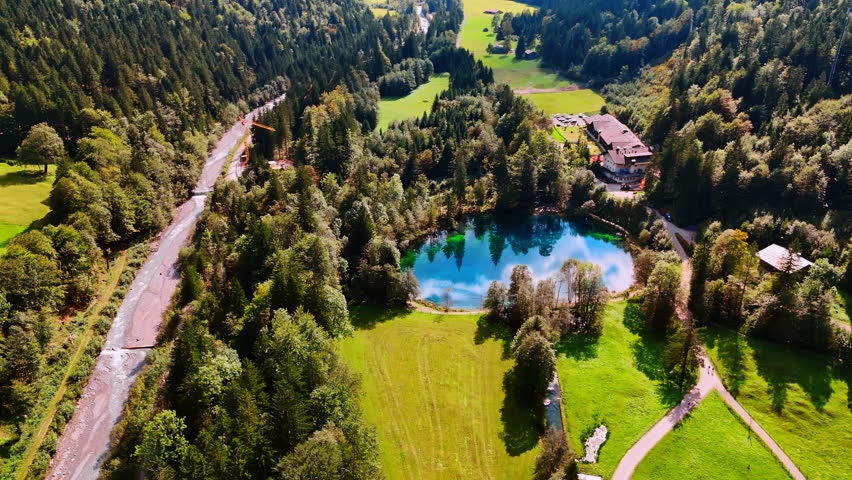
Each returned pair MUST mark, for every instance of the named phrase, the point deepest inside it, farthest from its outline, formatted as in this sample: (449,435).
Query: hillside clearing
(413,105)
(795,395)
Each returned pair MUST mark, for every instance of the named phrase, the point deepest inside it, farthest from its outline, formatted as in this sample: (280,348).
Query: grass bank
(713,444)
(615,379)
(413,105)
(797,396)
(433,388)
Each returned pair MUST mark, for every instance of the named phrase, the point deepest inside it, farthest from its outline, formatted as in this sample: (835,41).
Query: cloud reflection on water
(467,266)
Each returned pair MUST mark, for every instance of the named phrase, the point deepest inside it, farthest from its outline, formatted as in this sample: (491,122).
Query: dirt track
(85,443)
(530,90)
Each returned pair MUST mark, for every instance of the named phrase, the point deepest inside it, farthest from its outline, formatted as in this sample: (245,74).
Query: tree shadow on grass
(23,177)
(731,347)
(366,317)
(633,319)
(579,346)
(487,329)
(782,365)
(520,420)
(648,353)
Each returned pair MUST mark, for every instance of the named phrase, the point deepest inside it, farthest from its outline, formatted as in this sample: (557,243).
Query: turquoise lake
(485,249)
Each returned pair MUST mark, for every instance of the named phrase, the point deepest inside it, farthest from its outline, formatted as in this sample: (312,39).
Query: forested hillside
(126,99)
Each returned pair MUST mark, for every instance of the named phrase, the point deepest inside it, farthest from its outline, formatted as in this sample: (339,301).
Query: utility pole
(839,44)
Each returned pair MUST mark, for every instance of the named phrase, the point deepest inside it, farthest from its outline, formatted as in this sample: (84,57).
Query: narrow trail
(534,90)
(708,381)
(422,308)
(85,443)
(88,333)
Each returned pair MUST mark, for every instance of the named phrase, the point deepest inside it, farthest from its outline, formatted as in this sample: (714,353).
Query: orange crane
(247,139)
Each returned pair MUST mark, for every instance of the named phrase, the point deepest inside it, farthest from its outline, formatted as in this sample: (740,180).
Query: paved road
(85,443)
(707,382)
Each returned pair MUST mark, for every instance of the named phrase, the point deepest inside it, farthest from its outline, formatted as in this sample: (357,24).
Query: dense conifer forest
(752,147)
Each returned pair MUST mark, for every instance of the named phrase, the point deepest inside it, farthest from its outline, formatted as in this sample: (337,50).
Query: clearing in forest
(413,105)
(433,388)
(711,443)
(23,198)
(615,379)
(575,101)
(800,398)
(521,74)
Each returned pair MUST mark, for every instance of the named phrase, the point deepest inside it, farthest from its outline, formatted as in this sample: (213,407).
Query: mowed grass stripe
(446,422)
(713,444)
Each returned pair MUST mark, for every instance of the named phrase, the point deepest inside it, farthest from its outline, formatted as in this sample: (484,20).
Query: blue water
(467,260)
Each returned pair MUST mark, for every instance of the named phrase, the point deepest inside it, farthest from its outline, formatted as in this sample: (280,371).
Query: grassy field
(381,12)
(433,390)
(712,444)
(23,194)
(842,307)
(796,396)
(507,69)
(575,101)
(394,109)
(615,380)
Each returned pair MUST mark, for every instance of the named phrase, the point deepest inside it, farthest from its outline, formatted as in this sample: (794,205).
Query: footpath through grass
(23,197)
(616,380)
(797,396)
(713,444)
(433,388)
(413,105)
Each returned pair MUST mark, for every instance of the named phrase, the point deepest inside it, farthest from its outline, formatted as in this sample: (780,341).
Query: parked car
(625,187)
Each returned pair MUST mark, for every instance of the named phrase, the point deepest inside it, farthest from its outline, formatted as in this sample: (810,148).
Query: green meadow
(433,389)
(413,105)
(615,379)
(799,397)
(575,101)
(23,198)
(711,444)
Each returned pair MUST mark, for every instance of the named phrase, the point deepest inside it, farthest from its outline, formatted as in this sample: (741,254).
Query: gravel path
(533,90)
(707,382)
(85,443)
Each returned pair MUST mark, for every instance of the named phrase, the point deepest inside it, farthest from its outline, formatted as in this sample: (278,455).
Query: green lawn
(796,396)
(433,390)
(381,12)
(615,379)
(576,101)
(842,307)
(507,69)
(394,109)
(713,444)
(23,194)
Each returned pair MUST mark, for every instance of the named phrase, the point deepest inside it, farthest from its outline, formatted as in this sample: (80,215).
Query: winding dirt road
(85,443)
